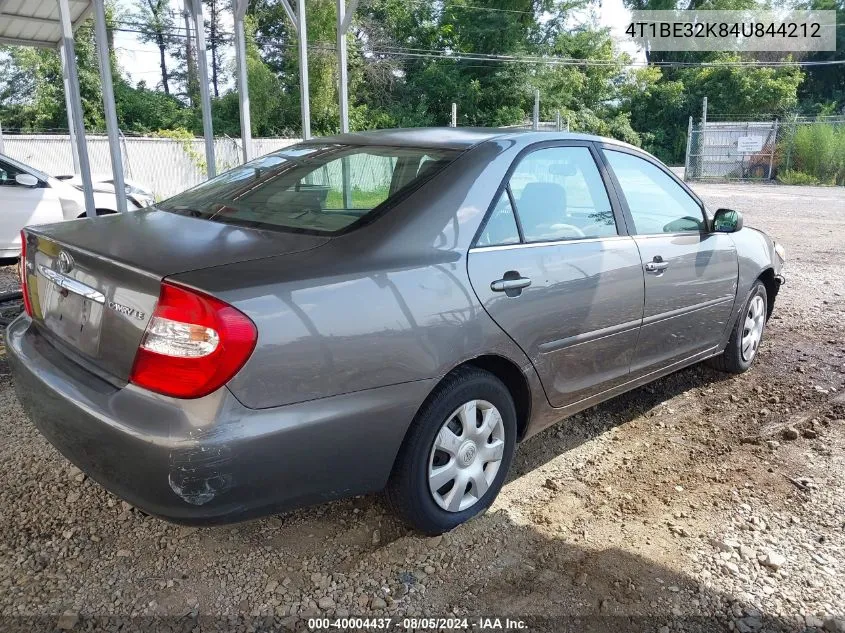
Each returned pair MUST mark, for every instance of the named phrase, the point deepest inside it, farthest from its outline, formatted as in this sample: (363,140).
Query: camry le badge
(122,309)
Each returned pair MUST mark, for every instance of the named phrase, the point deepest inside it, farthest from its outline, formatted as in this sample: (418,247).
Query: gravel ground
(699,502)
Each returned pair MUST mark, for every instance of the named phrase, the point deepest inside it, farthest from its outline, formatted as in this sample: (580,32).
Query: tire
(733,360)
(99,212)
(409,491)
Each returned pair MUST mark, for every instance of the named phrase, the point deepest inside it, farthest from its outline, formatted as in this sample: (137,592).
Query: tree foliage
(410,60)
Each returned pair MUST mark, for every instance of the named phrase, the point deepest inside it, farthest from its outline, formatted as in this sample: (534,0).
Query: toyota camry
(390,310)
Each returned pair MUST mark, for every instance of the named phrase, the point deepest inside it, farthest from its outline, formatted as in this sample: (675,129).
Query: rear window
(311,188)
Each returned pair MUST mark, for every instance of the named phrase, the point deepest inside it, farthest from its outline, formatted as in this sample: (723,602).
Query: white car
(29,196)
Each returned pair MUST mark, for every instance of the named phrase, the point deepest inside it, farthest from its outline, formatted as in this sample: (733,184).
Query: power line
(551,60)
(571,61)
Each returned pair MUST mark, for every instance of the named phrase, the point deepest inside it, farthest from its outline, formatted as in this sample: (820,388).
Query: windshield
(27,168)
(311,188)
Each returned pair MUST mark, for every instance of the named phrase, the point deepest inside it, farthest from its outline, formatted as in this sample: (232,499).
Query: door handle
(510,284)
(657,265)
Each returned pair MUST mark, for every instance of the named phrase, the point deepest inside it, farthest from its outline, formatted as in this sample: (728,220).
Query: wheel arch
(99,212)
(772,285)
(511,376)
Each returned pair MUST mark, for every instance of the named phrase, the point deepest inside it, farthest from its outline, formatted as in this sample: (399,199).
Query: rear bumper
(210,460)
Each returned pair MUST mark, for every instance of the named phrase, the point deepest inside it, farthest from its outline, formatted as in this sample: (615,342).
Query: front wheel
(457,453)
(747,334)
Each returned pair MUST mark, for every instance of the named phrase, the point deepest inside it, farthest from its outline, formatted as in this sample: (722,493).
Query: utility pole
(189,58)
(454,122)
(535,125)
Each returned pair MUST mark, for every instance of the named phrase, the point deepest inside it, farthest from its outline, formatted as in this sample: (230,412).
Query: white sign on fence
(749,144)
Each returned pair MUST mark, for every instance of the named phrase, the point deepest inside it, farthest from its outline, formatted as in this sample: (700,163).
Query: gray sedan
(387,310)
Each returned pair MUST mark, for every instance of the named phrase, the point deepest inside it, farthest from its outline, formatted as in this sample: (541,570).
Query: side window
(559,195)
(657,203)
(501,225)
(7,174)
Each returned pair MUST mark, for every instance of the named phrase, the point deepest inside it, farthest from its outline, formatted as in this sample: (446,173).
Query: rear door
(555,269)
(690,272)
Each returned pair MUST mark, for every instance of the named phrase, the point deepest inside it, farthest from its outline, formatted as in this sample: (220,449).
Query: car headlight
(781,251)
(140,201)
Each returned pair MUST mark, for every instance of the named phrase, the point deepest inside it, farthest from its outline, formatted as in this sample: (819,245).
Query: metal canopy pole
(108,103)
(303,70)
(205,96)
(74,150)
(298,21)
(344,19)
(239,10)
(75,111)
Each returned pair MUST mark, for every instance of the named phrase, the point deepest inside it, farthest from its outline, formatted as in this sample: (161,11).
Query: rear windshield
(311,188)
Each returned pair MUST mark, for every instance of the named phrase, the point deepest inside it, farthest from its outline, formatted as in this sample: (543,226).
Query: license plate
(72,317)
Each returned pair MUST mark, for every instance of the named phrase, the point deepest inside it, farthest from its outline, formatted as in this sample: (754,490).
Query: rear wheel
(457,453)
(99,212)
(747,334)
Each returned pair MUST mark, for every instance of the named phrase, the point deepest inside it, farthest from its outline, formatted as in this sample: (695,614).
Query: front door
(690,273)
(551,268)
(21,205)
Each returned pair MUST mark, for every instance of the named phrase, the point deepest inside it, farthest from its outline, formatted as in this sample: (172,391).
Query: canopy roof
(36,22)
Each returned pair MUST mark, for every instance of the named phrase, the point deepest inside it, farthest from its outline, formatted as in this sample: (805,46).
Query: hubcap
(752,331)
(466,455)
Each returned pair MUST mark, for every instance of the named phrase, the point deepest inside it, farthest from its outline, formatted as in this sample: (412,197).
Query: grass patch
(793,177)
(818,150)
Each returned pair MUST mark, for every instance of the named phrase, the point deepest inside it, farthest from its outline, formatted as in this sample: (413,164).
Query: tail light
(24,285)
(193,344)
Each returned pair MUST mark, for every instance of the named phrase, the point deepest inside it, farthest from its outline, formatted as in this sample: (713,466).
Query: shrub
(792,177)
(819,150)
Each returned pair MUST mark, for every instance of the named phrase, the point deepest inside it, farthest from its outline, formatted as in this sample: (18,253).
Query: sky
(141,62)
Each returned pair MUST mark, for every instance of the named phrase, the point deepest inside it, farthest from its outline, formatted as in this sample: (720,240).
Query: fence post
(535,125)
(774,145)
(702,139)
(791,142)
(689,147)
(454,115)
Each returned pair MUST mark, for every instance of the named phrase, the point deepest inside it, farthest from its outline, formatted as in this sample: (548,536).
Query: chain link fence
(164,165)
(794,150)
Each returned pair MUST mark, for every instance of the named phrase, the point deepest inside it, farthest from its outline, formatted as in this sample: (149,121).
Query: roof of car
(453,137)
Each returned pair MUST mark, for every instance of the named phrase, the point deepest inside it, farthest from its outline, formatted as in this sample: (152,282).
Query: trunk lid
(94,285)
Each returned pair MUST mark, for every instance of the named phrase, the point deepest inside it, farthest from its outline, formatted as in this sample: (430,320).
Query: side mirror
(26,180)
(727,221)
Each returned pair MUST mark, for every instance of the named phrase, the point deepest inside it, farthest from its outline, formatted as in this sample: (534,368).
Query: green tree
(33,94)
(157,25)
(269,103)
(214,34)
